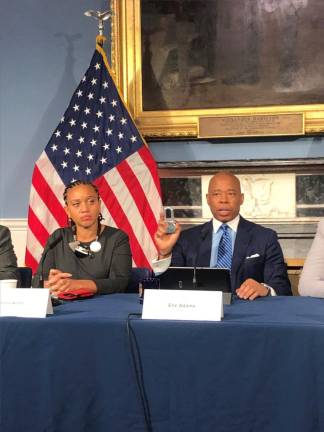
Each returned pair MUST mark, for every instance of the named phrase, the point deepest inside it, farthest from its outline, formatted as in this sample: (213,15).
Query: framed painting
(208,68)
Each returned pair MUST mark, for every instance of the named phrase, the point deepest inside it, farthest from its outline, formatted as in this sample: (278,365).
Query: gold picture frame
(203,122)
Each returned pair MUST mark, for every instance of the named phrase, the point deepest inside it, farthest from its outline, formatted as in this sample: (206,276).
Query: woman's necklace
(95,245)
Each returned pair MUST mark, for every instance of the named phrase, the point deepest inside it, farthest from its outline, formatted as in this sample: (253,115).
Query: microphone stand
(194,279)
(49,247)
(203,235)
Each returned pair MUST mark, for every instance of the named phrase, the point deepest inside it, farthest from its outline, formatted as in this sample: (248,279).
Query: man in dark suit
(8,260)
(256,260)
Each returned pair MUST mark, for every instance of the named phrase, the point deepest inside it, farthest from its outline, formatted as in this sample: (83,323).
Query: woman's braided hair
(77,183)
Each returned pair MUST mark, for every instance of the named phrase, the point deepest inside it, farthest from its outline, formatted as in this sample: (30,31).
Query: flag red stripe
(136,190)
(37,227)
(147,158)
(121,220)
(30,261)
(48,196)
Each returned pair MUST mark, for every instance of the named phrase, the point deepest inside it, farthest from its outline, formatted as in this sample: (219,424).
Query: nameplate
(273,124)
(183,305)
(25,302)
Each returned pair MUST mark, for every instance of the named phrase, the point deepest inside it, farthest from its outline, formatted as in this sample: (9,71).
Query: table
(261,369)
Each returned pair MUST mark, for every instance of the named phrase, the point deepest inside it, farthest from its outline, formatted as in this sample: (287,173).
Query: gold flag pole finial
(101,17)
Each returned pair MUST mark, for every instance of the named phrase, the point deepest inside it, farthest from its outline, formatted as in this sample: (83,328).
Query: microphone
(51,245)
(203,234)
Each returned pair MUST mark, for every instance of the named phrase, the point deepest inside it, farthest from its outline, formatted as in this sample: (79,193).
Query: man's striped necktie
(224,255)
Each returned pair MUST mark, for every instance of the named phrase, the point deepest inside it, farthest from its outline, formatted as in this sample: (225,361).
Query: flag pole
(101,17)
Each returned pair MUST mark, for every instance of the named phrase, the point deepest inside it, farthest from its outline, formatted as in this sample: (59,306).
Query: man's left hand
(251,289)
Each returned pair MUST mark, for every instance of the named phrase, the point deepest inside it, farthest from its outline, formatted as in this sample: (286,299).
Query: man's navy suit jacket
(257,254)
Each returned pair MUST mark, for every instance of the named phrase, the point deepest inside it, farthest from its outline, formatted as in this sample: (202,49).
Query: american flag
(97,140)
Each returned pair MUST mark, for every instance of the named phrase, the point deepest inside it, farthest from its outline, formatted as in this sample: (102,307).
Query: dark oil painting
(199,54)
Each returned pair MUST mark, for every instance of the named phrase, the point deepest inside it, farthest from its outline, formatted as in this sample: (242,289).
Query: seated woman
(8,260)
(311,282)
(87,254)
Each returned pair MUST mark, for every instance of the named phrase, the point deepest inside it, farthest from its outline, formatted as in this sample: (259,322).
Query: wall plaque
(251,125)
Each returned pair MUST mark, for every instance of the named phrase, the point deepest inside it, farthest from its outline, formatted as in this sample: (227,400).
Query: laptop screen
(207,279)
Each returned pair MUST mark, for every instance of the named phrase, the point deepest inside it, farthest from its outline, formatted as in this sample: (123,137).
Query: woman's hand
(59,281)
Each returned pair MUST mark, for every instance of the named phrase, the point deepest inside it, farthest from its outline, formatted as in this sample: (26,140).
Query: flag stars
(93,116)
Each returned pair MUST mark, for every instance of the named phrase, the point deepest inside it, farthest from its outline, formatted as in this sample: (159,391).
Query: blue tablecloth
(259,370)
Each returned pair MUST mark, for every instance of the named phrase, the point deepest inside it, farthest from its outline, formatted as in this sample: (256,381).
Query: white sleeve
(311,281)
(272,291)
(160,266)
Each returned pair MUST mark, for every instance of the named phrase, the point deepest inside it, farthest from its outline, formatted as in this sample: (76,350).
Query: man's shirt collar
(233,224)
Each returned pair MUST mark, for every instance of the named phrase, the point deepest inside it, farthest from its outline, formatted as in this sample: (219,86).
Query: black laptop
(199,278)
